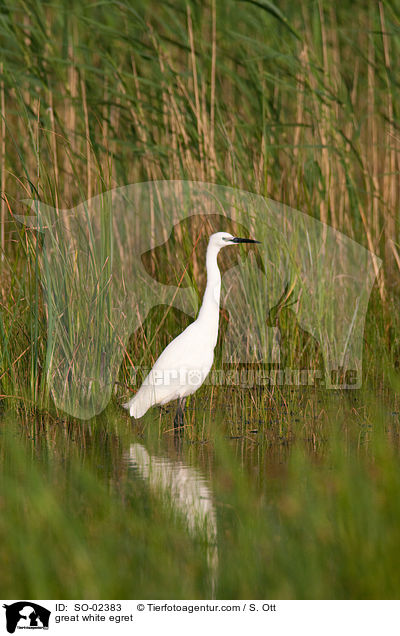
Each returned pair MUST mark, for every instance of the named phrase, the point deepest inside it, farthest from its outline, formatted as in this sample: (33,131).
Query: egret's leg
(180,412)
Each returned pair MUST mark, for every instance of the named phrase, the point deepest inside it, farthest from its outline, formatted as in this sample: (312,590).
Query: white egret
(185,363)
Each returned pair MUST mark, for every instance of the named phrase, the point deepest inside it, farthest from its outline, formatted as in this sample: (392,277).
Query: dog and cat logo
(26,615)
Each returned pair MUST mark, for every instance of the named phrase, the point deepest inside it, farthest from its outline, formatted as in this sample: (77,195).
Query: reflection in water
(189,494)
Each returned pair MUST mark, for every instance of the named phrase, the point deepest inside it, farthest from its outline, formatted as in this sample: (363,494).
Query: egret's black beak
(244,240)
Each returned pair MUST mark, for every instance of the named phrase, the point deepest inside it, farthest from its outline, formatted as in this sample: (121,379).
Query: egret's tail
(139,404)
(136,409)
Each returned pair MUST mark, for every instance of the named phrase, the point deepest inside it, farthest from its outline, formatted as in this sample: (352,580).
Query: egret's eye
(226,238)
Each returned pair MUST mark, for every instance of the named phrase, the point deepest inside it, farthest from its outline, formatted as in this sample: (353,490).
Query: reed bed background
(297,102)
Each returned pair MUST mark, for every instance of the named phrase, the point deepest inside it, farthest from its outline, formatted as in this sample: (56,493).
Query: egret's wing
(179,371)
(186,351)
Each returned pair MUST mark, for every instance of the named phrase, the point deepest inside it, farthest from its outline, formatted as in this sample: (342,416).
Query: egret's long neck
(209,310)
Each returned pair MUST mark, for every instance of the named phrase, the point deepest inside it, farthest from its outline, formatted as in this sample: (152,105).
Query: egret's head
(222,239)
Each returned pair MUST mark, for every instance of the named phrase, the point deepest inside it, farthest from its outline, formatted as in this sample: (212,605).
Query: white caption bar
(183,617)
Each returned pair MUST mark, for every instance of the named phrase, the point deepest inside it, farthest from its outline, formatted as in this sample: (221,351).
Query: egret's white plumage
(185,363)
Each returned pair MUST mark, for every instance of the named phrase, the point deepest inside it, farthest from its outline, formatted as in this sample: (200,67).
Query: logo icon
(295,306)
(26,615)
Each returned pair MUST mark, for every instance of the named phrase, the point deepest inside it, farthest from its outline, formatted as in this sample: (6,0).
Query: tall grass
(287,102)
(298,103)
(301,109)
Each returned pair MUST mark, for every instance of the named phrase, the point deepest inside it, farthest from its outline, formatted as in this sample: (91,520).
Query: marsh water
(302,506)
